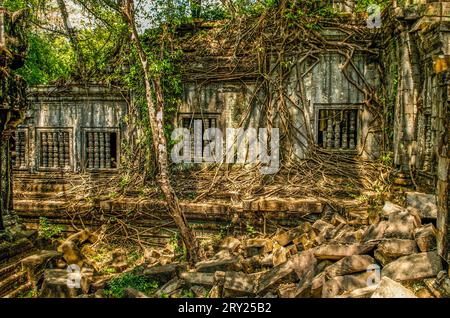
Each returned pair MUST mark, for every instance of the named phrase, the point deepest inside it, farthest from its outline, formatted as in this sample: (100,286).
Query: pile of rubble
(328,258)
(396,257)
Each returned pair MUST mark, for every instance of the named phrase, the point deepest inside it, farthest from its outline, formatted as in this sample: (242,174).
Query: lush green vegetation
(116,287)
(50,231)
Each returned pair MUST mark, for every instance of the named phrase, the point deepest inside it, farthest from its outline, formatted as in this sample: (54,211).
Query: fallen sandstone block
(401,225)
(349,265)
(392,289)
(425,237)
(170,287)
(193,278)
(238,284)
(413,267)
(231,244)
(58,283)
(391,249)
(344,284)
(130,292)
(211,266)
(364,292)
(162,273)
(283,273)
(336,251)
(425,204)
(390,208)
(374,232)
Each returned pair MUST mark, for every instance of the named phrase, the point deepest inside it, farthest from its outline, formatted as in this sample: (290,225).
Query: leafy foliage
(117,285)
(48,230)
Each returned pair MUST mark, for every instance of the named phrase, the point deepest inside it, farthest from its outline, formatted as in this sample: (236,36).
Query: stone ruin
(75,132)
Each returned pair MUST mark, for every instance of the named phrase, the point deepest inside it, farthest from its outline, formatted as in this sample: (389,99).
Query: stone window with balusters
(337,128)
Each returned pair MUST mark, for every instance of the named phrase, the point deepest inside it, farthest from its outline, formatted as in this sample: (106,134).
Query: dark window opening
(101,150)
(338,129)
(54,149)
(188,122)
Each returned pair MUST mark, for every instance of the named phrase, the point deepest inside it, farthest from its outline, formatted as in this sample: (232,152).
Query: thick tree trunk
(72,37)
(156,115)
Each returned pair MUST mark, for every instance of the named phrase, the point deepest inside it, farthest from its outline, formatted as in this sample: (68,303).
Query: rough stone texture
(401,225)
(162,273)
(211,266)
(391,289)
(231,244)
(390,208)
(283,273)
(375,232)
(203,279)
(336,251)
(364,292)
(413,267)
(439,286)
(170,287)
(341,284)
(56,284)
(390,249)
(349,265)
(238,284)
(425,204)
(425,237)
(130,292)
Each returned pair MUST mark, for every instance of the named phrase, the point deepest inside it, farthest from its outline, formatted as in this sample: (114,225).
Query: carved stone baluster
(61,149)
(96,151)
(102,149)
(56,149)
(50,149)
(352,134)
(108,150)
(90,150)
(344,129)
(23,143)
(330,143)
(66,150)
(44,149)
(337,129)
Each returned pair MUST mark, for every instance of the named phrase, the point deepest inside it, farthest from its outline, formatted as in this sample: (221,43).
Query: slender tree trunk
(156,115)
(72,37)
(2,26)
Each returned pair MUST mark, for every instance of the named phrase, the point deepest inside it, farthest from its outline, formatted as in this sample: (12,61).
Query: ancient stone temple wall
(78,129)
(72,129)
(333,110)
(416,68)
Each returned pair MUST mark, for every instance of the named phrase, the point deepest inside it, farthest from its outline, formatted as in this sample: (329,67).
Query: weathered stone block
(425,237)
(336,251)
(211,266)
(413,267)
(390,208)
(425,204)
(342,284)
(238,284)
(193,278)
(349,265)
(391,289)
(390,249)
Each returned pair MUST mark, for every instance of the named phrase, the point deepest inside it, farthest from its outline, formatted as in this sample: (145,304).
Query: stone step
(13,252)
(53,205)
